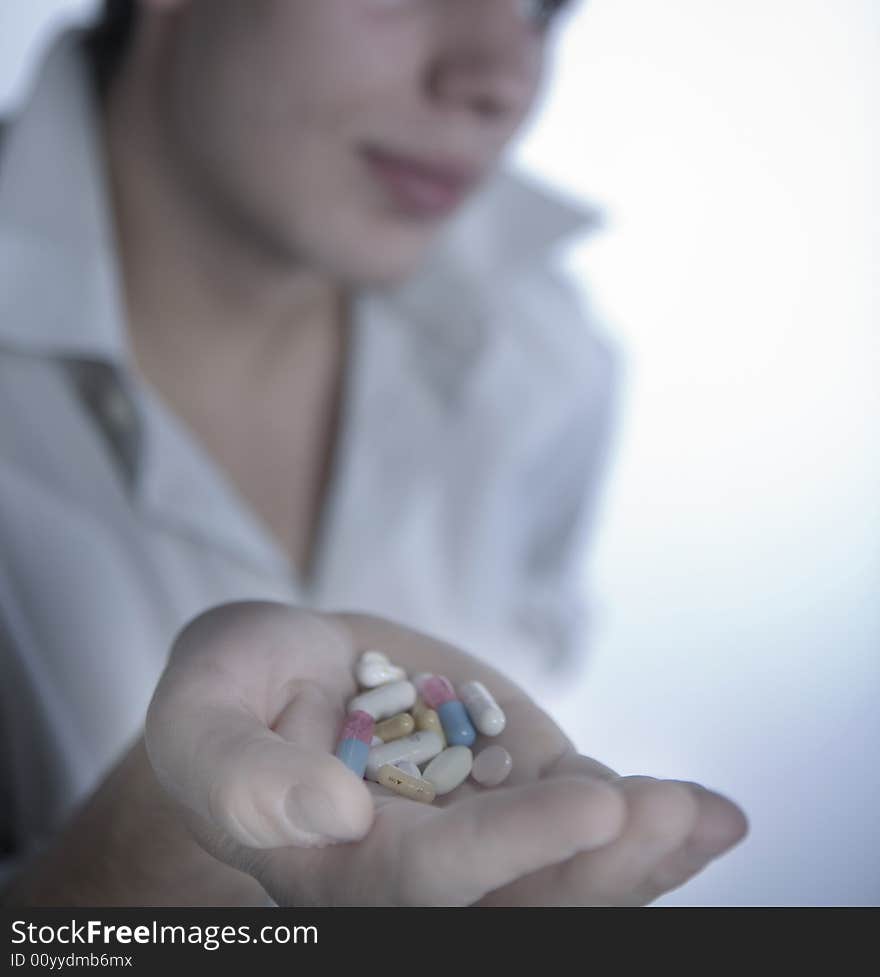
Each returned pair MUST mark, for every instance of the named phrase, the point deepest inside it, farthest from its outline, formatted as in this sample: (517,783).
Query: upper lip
(450,172)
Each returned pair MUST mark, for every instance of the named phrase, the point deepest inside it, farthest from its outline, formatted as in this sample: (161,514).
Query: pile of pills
(415,736)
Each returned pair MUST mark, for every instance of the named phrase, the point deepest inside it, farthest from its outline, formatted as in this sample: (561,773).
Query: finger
(259,648)
(492,838)
(209,738)
(575,763)
(311,718)
(720,825)
(659,816)
(264,791)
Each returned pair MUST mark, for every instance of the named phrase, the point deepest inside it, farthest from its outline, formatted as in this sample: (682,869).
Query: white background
(734,149)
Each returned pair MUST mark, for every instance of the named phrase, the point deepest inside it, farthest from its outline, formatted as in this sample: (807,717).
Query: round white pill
(492,766)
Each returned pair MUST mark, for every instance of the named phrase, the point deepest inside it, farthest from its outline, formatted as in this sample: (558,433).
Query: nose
(490,60)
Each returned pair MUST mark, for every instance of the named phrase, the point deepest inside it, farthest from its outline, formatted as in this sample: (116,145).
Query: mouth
(420,188)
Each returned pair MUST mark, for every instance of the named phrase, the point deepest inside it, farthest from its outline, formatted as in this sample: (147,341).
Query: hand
(242,731)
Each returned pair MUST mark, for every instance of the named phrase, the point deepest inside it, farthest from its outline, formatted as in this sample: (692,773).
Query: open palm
(242,731)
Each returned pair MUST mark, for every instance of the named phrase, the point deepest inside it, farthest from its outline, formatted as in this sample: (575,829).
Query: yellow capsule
(427,719)
(414,788)
(395,728)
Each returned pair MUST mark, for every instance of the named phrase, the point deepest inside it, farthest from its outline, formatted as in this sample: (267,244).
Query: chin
(385,265)
(362,254)
(384,274)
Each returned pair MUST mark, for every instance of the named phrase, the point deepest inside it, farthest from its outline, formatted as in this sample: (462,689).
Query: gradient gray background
(737,565)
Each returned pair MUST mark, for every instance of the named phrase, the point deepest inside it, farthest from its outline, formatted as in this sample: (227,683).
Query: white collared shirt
(477,404)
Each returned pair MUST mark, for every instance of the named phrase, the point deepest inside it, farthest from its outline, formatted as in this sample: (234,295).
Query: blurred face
(341,134)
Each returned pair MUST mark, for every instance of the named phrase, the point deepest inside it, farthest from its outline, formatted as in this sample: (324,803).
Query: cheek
(328,60)
(315,63)
(273,127)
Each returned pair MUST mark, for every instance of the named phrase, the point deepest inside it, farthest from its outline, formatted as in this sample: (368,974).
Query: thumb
(264,788)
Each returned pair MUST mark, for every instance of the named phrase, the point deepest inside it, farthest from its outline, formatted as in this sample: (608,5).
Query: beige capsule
(396,727)
(415,788)
(426,718)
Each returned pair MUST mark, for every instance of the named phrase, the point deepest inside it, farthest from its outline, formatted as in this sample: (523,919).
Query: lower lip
(414,192)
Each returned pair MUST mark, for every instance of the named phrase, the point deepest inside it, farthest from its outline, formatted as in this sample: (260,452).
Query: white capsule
(449,769)
(408,767)
(418,748)
(386,700)
(484,711)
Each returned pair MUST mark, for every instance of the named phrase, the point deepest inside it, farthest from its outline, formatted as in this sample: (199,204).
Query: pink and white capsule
(484,711)
(386,700)
(354,741)
(436,690)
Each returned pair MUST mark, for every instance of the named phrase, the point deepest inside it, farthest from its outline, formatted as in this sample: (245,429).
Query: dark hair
(108,40)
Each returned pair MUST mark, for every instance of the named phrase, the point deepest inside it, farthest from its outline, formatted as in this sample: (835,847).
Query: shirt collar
(59,282)
(59,276)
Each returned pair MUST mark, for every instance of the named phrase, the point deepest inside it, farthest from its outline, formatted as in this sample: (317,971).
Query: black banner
(41,941)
